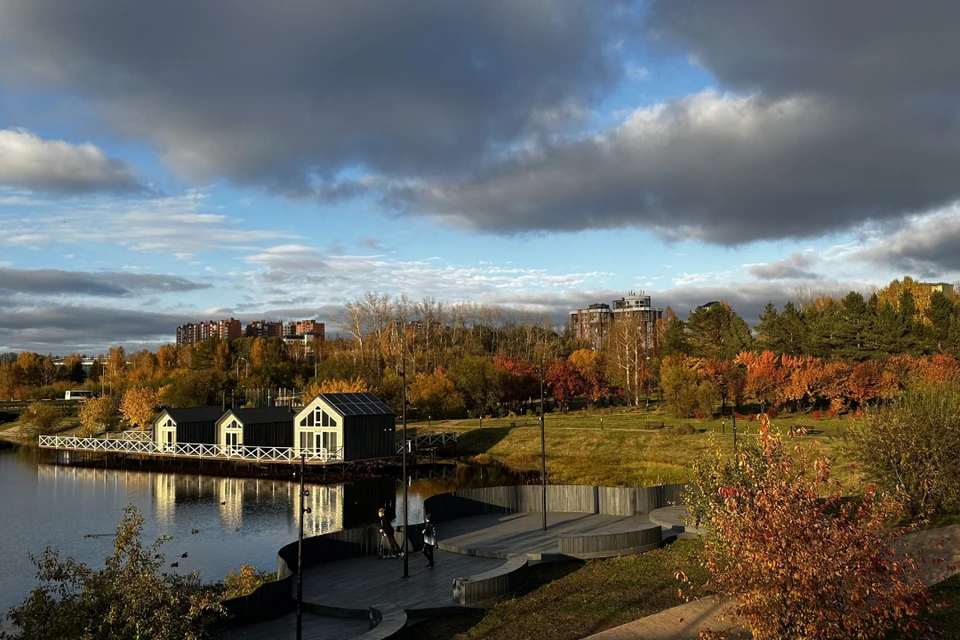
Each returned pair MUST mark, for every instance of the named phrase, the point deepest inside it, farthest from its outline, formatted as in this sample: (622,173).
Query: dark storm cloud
(289,95)
(53,328)
(928,247)
(55,282)
(795,266)
(860,49)
(717,168)
(845,113)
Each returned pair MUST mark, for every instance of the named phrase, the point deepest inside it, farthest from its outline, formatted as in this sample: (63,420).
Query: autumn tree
(139,405)
(316,387)
(798,559)
(434,395)
(590,365)
(564,381)
(98,414)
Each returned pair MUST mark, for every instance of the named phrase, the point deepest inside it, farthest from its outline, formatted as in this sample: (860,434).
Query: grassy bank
(574,600)
(629,449)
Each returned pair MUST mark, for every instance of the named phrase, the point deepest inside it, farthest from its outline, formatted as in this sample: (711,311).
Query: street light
(403,421)
(543,452)
(303,509)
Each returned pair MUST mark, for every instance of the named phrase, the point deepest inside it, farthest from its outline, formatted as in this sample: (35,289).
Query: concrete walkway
(937,552)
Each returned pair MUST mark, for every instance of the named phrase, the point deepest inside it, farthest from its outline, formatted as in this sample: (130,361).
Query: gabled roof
(262,415)
(194,414)
(356,404)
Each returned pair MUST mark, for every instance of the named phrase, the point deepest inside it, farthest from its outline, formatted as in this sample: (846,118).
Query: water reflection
(220,522)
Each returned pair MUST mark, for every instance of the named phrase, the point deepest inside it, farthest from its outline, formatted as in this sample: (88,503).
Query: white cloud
(29,162)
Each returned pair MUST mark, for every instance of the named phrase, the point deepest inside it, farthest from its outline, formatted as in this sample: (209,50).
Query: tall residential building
(594,323)
(264,329)
(193,333)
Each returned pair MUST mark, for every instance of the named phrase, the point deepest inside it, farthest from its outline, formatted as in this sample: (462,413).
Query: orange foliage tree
(802,566)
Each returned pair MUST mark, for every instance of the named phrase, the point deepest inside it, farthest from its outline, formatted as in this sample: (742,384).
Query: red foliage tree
(802,566)
(565,382)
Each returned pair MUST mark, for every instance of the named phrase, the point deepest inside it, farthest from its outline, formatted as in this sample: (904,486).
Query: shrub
(816,415)
(245,581)
(130,597)
(772,412)
(799,566)
(914,444)
(40,418)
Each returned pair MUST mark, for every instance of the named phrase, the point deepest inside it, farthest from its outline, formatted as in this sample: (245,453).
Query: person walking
(429,541)
(386,531)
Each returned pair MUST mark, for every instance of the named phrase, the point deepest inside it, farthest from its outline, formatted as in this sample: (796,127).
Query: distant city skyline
(159,167)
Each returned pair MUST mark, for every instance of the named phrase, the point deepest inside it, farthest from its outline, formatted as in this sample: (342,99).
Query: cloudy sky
(177,161)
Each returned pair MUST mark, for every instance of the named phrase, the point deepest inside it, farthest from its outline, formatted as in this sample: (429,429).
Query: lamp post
(303,509)
(403,421)
(734,430)
(543,452)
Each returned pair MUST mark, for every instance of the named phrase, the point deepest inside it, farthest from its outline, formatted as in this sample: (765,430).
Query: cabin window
(307,440)
(233,439)
(310,419)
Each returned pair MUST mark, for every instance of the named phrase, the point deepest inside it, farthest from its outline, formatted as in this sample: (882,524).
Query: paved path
(937,550)
(358,583)
(314,628)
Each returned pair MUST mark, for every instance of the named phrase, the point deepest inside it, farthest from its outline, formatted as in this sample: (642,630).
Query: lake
(237,520)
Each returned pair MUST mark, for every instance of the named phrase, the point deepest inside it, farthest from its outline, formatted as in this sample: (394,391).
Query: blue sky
(170,163)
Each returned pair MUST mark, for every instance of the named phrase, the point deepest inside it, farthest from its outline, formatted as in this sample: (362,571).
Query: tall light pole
(403,421)
(303,509)
(543,451)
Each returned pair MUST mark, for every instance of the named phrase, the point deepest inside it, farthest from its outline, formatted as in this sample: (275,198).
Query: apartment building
(191,333)
(594,323)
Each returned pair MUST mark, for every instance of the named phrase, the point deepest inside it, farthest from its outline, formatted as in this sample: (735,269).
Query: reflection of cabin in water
(350,426)
(196,425)
(264,427)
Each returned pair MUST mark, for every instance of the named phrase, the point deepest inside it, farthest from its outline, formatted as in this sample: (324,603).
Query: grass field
(630,448)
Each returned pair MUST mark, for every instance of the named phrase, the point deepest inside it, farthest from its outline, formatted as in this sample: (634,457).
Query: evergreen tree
(939,314)
(823,336)
(853,325)
(716,331)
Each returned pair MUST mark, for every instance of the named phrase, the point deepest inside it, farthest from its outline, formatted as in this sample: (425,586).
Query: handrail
(428,441)
(193,450)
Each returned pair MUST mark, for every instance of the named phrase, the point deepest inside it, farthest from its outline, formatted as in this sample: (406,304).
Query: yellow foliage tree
(434,394)
(96,414)
(139,405)
(315,388)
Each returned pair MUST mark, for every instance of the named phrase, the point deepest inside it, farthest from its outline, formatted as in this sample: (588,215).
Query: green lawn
(630,449)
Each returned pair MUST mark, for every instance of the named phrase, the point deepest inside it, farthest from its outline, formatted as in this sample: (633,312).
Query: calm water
(239,519)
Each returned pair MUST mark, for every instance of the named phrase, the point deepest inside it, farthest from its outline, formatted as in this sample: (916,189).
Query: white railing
(191,450)
(428,441)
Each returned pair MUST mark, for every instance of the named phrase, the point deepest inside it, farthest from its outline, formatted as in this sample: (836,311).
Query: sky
(179,161)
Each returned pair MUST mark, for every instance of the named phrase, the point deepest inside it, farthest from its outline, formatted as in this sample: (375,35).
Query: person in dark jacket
(386,530)
(429,541)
